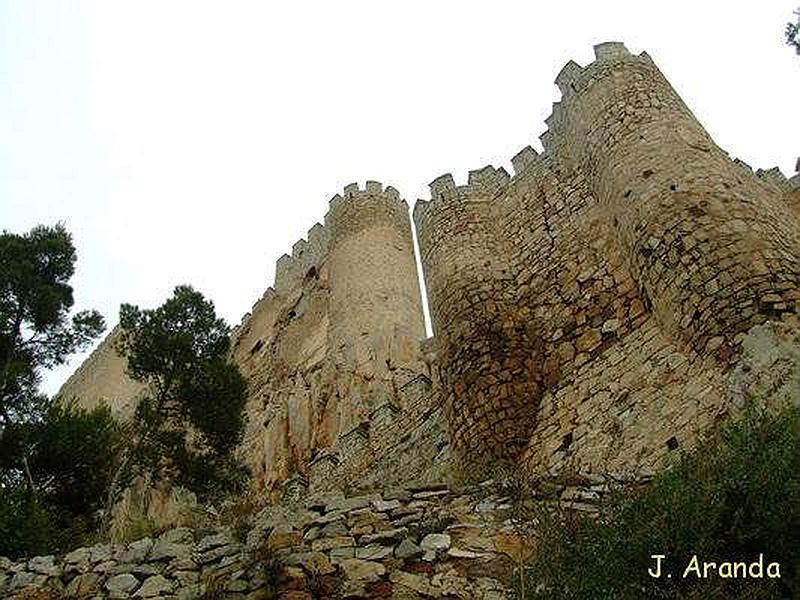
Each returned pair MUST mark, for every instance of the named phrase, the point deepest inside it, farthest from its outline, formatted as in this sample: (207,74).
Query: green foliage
(26,525)
(192,416)
(54,474)
(35,329)
(736,496)
(792,33)
(55,461)
(74,452)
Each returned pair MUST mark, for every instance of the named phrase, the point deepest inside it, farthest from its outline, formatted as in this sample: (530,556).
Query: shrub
(54,475)
(737,495)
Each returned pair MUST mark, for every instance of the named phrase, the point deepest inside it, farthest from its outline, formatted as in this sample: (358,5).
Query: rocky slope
(422,542)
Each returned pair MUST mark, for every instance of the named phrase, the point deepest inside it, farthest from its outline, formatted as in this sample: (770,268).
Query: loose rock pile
(424,542)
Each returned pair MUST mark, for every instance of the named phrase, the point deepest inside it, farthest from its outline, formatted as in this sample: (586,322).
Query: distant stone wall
(102,379)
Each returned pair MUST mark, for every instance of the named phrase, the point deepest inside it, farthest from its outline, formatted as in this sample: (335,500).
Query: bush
(737,495)
(54,475)
(26,526)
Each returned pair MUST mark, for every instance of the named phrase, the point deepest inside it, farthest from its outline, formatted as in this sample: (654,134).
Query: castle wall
(633,245)
(329,347)
(587,311)
(101,379)
(715,251)
(376,305)
(326,350)
(490,365)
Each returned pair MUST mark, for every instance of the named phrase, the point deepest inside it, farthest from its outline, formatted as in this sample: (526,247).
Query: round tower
(715,249)
(376,318)
(490,371)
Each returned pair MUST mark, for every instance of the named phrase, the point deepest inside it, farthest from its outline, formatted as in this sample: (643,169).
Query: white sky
(197,141)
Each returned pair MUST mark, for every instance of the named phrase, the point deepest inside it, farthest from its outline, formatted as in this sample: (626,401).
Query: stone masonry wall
(102,379)
(588,308)
(329,349)
(587,311)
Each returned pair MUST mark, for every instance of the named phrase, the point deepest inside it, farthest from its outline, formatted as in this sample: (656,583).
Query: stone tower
(588,310)
(633,245)
(470,282)
(375,302)
(671,190)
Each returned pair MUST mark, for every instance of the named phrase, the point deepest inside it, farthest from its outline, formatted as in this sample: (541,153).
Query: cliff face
(588,311)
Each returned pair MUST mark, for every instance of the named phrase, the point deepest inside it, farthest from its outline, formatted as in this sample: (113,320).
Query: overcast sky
(197,141)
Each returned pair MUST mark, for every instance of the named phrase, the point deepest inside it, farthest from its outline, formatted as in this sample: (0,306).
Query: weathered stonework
(412,543)
(588,311)
(102,379)
(331,352)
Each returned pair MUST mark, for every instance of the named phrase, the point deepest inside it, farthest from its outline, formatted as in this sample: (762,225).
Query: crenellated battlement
(484,183)
(358,209)
(312,250)
(524,159)
(372,189)
(306,253)
(574,77)
(576,304)
(574,80)
(775,177)
(566,77)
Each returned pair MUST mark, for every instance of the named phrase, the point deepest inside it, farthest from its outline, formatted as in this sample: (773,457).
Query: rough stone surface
(622,291)
(120,585)
(460,543)
(156,585)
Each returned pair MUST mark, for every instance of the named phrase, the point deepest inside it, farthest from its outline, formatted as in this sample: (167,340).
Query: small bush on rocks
(734,498)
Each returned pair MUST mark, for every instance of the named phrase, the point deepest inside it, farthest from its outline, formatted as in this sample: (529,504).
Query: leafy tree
(792,33)
(54,474)
(55,460)
(26,527)
(35,330)
(191,418)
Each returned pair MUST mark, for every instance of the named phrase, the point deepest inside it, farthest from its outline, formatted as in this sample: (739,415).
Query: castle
(588,311)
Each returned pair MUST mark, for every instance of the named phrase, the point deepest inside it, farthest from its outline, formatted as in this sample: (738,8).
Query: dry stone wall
(429,541)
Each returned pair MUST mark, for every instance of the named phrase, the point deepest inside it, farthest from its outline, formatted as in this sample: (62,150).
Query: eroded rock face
(406,543)
(158,504)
